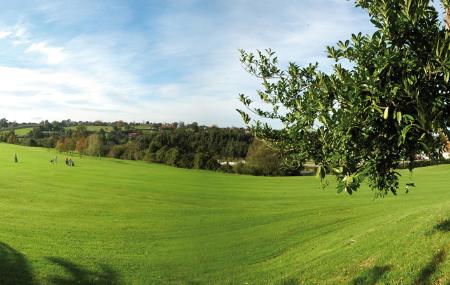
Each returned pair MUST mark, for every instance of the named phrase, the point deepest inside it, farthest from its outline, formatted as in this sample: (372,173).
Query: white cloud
(54,55)
(182,64)
(4,34)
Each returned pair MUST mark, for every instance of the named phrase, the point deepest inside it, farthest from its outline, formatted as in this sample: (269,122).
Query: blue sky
(153,60)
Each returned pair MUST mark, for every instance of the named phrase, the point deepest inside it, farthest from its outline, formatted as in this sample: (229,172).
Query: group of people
(69,161)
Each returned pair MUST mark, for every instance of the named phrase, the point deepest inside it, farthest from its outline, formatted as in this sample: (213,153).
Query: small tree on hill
(94,145)
(361,120)
(61,145)
(81,145)
(11,137)
(263,159)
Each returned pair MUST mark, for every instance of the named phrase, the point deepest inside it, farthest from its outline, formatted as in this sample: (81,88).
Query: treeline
(6,125)
(175,144)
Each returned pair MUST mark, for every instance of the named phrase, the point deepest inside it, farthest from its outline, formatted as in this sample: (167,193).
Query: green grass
(93,128)
(110,221)
(25,131)
(22,131)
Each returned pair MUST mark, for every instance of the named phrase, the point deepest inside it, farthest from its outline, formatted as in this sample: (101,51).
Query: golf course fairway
(108,221)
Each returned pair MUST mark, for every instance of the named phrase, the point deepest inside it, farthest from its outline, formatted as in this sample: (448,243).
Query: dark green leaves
(377,23)
(245,116)
(361,120)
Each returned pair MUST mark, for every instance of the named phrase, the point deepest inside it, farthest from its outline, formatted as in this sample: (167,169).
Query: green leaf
(386,113)
(394,90)
(405,132)
(245,116)
(340,187)
(338,170)
(321,172)
(376,23)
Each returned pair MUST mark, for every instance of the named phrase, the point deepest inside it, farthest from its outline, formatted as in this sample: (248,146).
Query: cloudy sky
(156,60)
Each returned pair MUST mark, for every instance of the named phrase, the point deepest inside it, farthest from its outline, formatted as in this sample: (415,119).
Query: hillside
(109,221)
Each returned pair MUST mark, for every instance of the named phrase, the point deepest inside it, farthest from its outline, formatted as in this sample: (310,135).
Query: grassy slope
(94,128)
(137,223)
(23,131)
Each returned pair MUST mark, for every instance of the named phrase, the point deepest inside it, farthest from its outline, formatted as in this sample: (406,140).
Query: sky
(154,60)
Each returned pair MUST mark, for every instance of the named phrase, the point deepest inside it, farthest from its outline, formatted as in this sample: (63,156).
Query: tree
(61,145)
(3,123)
(205,160)
(81,145)
(386,100)
(11,137)
(263,159)
(95,145)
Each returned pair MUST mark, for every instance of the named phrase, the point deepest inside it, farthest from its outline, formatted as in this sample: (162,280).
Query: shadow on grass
(443,226)
(16,270)
(80,275)
(14,267)
(427,272)
(371,276)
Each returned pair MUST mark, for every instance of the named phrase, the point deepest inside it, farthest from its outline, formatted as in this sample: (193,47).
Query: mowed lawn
(109,221)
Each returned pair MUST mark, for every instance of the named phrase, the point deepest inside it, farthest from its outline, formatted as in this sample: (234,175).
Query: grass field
(109,221)
(94,128)
(23,131)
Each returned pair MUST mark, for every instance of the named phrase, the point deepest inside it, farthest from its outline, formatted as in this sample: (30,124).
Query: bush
(117,151)
(172,156)
(204,160)
(161,154)
(132,152)
(263,160)
(28,142)
(150,157)
(226,168)
(186,161)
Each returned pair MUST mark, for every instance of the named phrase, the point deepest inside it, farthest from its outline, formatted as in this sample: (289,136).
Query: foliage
(176,144)
(264,160)
(205,160)
(95,145)
(386,100)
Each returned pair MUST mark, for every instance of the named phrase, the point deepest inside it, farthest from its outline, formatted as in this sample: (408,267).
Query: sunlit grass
(137,223)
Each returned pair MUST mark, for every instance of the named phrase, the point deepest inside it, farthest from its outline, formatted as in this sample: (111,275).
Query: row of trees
(55,126)
(175,144)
